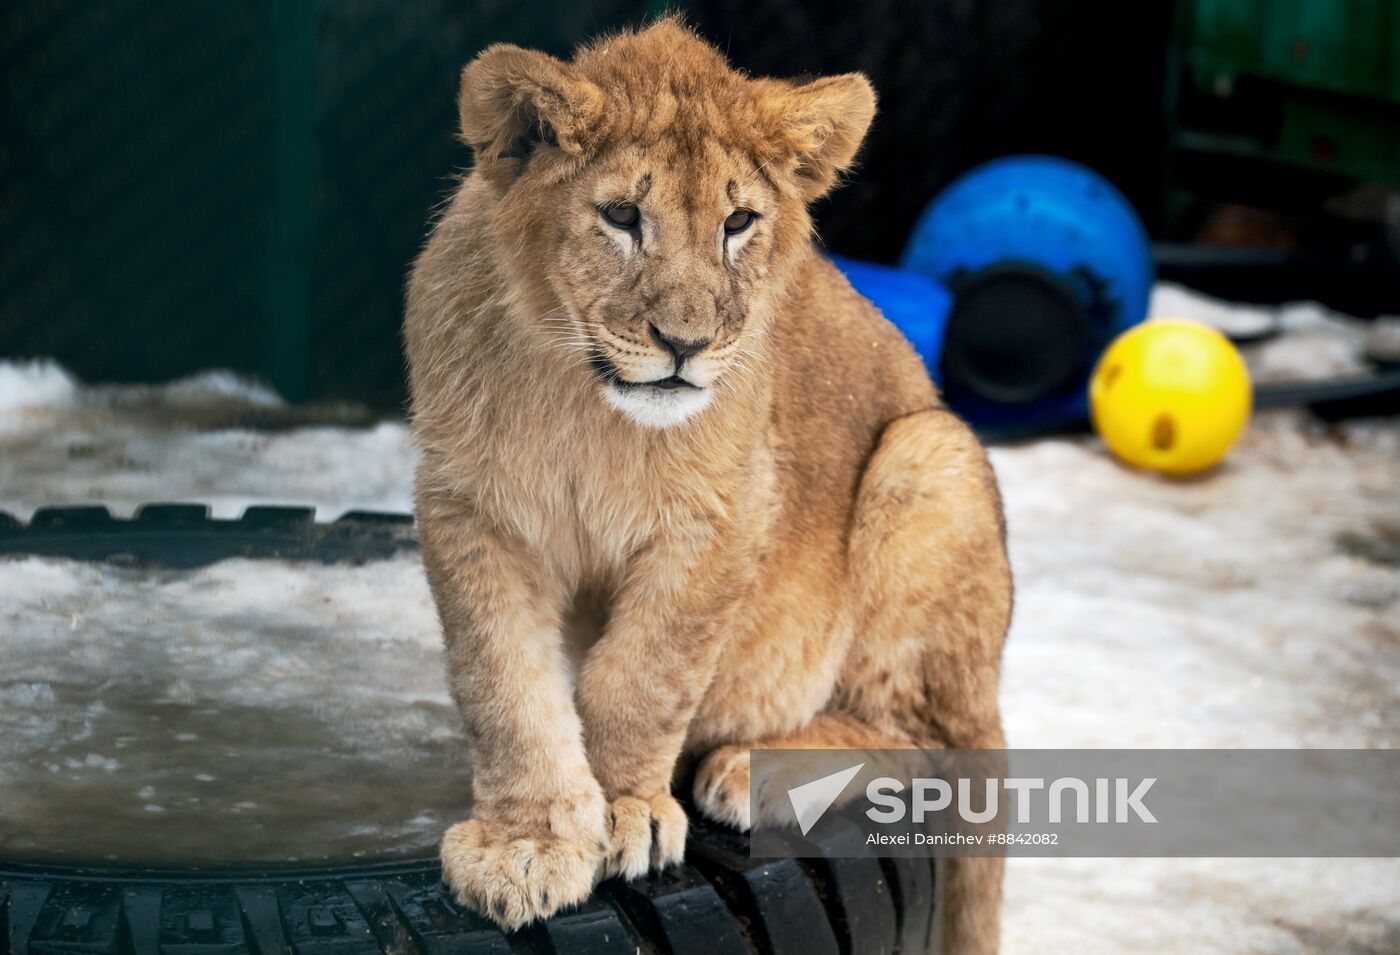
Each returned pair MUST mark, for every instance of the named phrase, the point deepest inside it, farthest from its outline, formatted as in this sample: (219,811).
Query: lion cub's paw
(722,787)
(728,790)
(646,834)
(514,881)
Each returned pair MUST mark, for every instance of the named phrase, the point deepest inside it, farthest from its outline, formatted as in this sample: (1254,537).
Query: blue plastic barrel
(1047,263)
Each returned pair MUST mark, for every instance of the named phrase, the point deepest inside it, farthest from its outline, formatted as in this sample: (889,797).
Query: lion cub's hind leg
(928,555)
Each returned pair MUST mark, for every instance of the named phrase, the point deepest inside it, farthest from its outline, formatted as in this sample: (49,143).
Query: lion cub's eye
(738,221)
(623,216)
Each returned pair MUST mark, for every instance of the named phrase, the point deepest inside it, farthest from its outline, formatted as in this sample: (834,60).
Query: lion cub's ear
(514,101)
(822,123)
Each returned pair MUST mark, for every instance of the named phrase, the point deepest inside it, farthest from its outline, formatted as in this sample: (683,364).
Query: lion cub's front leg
(538,833)
(641,685)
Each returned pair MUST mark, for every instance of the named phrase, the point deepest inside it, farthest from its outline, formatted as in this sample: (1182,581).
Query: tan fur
(815,558)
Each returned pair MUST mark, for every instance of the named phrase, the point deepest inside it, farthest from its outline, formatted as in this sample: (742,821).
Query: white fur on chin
(657,407)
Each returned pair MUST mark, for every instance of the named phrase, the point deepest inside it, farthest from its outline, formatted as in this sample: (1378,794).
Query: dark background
(244,185)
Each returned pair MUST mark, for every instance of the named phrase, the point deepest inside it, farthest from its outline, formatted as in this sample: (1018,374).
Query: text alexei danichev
(923,839)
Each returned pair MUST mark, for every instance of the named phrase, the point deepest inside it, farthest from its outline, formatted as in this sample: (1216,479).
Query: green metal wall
(196,184)
(1342,46)
(1313,84)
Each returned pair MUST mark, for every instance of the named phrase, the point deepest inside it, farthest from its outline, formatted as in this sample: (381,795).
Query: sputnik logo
(810,801)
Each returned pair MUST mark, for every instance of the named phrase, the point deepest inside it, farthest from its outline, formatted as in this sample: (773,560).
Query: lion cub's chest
(584,508)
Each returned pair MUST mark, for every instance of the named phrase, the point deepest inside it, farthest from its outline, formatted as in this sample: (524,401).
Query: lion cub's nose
(679,350)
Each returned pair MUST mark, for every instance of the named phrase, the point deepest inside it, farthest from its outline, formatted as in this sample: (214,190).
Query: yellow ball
(1171,396)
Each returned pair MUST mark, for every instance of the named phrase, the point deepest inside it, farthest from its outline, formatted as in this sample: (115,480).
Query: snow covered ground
(1256,606)
(252,710)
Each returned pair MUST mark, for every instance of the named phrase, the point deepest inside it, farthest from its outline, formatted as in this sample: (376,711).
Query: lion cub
(682,490)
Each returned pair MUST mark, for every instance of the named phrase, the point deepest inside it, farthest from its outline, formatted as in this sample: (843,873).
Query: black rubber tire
(182,536)
(720,901)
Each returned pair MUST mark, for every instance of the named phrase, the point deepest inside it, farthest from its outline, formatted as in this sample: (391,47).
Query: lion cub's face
(660,264)
(655,202)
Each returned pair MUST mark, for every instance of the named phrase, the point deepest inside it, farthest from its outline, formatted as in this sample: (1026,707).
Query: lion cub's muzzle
(659,389)
(666,370)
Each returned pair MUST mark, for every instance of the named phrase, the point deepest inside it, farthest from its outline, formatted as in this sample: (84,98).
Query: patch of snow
(1235,610)
(1314,341)
(123,446)
(314,695)
(32,385)
(209,388)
